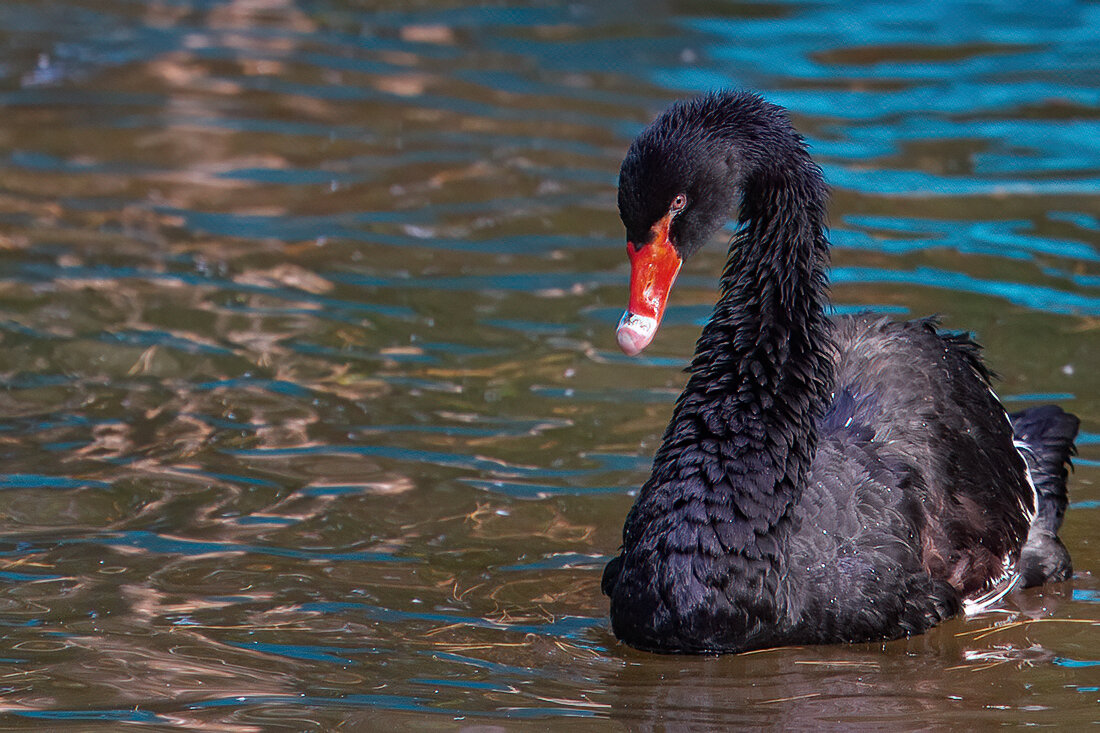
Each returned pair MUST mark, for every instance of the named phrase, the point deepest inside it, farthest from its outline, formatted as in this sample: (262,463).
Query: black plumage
(821,480)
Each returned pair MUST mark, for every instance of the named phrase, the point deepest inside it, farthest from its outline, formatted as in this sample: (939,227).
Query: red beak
(653,270)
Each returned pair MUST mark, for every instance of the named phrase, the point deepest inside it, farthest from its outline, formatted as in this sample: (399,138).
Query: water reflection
(312,412)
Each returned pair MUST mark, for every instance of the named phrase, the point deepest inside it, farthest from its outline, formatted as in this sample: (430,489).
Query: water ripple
(313,414)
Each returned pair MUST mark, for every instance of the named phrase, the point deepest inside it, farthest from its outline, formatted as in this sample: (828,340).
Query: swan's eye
(678,203)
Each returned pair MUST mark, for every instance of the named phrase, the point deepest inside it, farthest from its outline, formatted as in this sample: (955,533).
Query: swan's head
(679,183)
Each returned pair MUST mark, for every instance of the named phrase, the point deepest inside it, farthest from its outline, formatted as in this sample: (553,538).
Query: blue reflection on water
(130,715)
(1076,663)
(1030,296)
(388,702)
(996,238)
(37,481)
(311,652)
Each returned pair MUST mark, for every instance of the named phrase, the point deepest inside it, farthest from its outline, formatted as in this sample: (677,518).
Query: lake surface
(312,414)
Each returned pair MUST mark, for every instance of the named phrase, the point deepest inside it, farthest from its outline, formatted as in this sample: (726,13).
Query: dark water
(312,413)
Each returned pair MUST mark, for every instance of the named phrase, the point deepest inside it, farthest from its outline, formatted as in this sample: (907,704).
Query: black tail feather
(1047,433)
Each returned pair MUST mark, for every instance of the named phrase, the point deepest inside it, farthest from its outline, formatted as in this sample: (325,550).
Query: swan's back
(917,499)
(923,400)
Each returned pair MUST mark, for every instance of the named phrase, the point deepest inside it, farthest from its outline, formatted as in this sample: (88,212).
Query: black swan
(822,479)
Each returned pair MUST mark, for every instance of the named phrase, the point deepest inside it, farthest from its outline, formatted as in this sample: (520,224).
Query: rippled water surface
(312,413)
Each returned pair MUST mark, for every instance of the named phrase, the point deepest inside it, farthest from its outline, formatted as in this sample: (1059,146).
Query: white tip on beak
(635,332)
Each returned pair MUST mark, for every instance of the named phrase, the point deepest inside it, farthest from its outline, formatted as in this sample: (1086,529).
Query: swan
(822,480)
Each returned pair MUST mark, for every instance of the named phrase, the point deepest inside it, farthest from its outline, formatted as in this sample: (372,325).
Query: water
(312,413)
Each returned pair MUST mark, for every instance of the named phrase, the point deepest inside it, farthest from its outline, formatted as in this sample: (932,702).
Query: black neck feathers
(703,546)
(762,371)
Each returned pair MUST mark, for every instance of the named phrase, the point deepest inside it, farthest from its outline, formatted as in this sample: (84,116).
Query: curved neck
(763,367)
